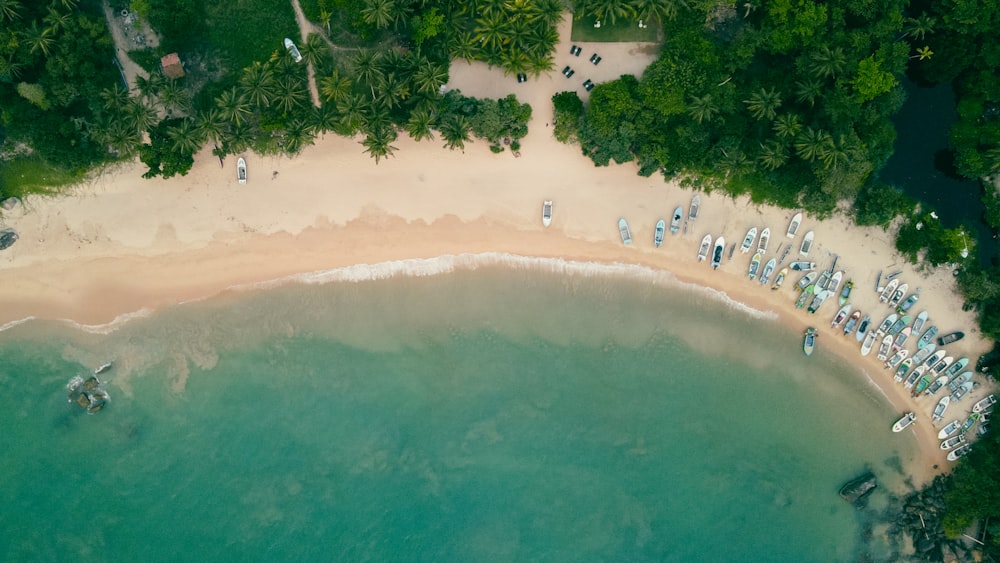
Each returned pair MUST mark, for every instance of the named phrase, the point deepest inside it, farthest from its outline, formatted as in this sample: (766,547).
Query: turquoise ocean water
(492,414)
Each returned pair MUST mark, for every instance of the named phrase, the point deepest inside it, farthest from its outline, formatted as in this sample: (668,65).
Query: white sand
(121,243)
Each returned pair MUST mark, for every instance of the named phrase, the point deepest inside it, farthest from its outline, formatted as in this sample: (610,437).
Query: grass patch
(623,30)
(31,175)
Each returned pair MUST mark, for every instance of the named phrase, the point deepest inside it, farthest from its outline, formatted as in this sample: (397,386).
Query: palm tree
(420,124)
(69,4)
(807,91)
(39,39)
(148,86)
(140,115)
(378,142)
(325,118)
(123,139)
(298,134)
(289,94)
(366,65)
(353,111)
(379,13)
(212,125)
(773,155)
(429,77)
(924,53)
(257,83)
(835,154)
(702,108)
(393,92)
(492,31)
(56,20)
(991,158)
(9,69)
(811,143)
(764,103)
(10,10)
(919,26)
(540,64)
(659,10)
(314,50)
(115,98)
(550,12)
(607,10)
(514,60)
(335,87)
(173,96)
(455,131)
(234,106)
(185,137)
(463,45)
(787,126)
(826,62)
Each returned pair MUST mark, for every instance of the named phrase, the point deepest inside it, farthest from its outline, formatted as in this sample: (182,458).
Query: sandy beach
(120,244)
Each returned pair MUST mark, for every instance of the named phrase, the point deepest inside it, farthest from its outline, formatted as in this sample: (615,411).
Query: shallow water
(491,414)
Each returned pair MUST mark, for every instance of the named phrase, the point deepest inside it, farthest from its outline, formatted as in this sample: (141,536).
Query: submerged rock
(855,490)
(7,238)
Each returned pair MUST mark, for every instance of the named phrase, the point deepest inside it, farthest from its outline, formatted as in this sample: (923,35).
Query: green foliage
(517,36)
(925,234)
(31,175)
(878,204)
(427,25)
(991,201)
(34,94)
(567,112)
(163,155)
(621,30)
(872,81)
(494,121)
(974,490)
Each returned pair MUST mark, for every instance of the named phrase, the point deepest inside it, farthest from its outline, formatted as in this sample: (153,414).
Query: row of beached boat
(661,226)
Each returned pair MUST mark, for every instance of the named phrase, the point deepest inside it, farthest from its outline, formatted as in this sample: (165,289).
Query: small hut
(171,65)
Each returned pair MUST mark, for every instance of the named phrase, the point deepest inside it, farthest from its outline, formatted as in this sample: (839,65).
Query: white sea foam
(109,327)
(12,324)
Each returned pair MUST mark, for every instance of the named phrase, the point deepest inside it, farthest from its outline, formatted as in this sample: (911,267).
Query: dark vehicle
(588,85)
(522,77)
(595,58)
(575,51)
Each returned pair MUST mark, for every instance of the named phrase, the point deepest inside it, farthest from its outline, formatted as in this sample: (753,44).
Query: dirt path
(305,28)
(128,67)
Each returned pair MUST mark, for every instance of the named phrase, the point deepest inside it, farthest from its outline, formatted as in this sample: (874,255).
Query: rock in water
(855,490)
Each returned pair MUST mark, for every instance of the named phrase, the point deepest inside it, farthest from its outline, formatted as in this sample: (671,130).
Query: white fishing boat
(802,265)
(835,281)
(624,231)
(938,368)
(940,408)
(706,245)
(900,340)
(952,442)
(954,384)
(897,296)
(695,207)
(102,368)
(886,323)
(936,385)
(852,322)
(824,279)
(793,225)
(960,452)
(919,322)
(293,50)
(904,367)
(949,429)
(720,247)
(906,420)
(961,391)
(888,291)
(675,220)
(883,349)
(748,240)
(809,341)
(863,328)
(914,376)
(924,353)
(866,347)
(897,358)
(807,242)
(934,358)
(841,315)
(241,170)
(765,274)
(984,404)
(898,325)
(817,302)
(806,281)
(765,237)
(779,279)
(661,229)
(547,213)
(754,266)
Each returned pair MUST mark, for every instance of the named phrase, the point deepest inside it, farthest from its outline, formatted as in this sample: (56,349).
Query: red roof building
(172,67)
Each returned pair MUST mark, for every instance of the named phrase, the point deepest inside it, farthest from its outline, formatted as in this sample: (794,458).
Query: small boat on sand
(950,337)
(984,404)
(661,229)
(886,323)
(928,336)
(793,225)
(694,208)
(956,367)
(806,281)
(901,338)
(898,325)
(923,353)
(906,420)
(888,291)
(942,365)
(918,323)
(845,293)
(624,231)
(807,242)
(883,349)
(896,359)
(720,246)
(802,265)
(779,279)
(824,279)
(293,50)
(863,327)
(961,391)
(934,358)
(916,374)
(893,275)
(809,341)
(957,453)
(841,316)
(852,322)
(835,280)
(897,296)
(940,408)
(748,240)
(908,303)
(547,213)
(765,237)
(949,429)
(754,266)
(817,302)
(969,423)
(866,347)
(804,297)
(706,245)
(954,384)
(923,384)
(765,274)
(241,170)
(675,220)
(952,442)
(904,367)
(936,385)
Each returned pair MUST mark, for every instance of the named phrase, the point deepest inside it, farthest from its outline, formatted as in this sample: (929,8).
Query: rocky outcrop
(857,490)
